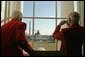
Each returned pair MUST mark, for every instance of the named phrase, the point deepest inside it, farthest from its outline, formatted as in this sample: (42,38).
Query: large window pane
(45,26)
(28,8)
(44,8)
(45,39)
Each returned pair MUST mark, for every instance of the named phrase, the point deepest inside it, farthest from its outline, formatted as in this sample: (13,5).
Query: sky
(42,9)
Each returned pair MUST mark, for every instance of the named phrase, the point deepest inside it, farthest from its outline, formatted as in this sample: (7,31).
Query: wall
(67,7)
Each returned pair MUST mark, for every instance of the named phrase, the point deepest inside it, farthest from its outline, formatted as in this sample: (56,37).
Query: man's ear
(20,19)
(69,19)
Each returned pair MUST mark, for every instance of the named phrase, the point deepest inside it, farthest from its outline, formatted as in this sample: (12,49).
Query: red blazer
(72,39)
(13,39)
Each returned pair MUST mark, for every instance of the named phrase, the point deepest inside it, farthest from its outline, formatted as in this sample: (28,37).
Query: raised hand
(62,22)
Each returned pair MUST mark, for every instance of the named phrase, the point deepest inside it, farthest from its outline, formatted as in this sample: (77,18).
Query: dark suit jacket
(13,39)
(72,39)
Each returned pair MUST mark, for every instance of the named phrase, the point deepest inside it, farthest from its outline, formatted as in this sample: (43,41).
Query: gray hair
(16,15)
(75,17)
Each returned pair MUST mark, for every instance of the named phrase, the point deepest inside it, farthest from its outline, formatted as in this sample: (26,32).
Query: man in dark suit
(13,40)
(71,38)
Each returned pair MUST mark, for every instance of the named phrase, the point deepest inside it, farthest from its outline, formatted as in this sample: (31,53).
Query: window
(44,20)
(43,16)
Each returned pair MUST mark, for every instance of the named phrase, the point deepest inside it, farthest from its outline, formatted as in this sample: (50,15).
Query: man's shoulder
(22,25)
(65,29)
(18,22)
(82,27)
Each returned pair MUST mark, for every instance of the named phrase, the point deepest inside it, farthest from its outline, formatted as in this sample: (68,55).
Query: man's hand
(62,22)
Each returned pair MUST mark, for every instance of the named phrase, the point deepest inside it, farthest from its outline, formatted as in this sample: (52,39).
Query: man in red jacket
(71,38)
(13,40)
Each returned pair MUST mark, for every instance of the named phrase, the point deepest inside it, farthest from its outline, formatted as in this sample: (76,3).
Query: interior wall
(66,8)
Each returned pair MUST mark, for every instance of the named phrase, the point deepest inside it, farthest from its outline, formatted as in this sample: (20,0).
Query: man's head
(17,15)
(74,18)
